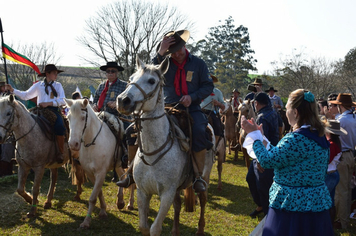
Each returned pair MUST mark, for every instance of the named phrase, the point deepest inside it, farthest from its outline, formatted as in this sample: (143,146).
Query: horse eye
(8,114)
(151,81)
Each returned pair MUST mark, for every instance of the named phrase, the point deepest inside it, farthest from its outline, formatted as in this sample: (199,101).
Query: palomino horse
(160,165)
(96,154)
(246,109)
(231,131)
(34,150)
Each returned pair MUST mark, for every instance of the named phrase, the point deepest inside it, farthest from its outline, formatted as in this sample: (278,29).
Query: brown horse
(231,131)
(246,109)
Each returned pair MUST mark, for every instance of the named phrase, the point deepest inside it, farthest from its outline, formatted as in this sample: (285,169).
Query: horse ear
(240,100)
(85,103)
(139,64)
(164,65)
(11,98)
(69,102)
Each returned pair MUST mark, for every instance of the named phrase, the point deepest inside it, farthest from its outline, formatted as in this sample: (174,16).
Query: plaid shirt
(113,91)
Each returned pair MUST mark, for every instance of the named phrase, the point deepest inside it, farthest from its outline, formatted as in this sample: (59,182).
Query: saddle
(46,119)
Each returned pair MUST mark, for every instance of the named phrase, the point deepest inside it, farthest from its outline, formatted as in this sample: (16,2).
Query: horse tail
(189,199)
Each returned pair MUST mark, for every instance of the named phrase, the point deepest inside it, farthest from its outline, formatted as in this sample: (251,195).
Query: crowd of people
(300,182)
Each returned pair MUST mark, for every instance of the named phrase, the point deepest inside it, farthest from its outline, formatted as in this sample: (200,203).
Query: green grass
(227,211)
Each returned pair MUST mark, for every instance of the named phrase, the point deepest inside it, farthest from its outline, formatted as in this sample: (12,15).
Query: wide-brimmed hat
(344,99)
(333,126)
(235,90)
(48,69)
(271,89)
(214,78)
(257,81)
(111,64)
(2,83)
(180,39)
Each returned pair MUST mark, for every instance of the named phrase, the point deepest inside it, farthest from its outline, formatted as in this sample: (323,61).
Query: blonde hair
(307,110)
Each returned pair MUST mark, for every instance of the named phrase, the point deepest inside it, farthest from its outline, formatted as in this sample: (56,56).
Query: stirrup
(200,178)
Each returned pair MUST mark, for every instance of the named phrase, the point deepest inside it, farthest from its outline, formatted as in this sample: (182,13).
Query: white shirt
(38,90)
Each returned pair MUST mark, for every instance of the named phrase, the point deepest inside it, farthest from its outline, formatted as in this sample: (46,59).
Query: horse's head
(144,90)
(78,118)
(245,109)
(7,116)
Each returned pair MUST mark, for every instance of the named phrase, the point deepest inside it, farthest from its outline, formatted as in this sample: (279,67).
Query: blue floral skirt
(287,223)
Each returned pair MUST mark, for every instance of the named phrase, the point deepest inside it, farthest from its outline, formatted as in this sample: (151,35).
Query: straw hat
(180,39)
(257,81)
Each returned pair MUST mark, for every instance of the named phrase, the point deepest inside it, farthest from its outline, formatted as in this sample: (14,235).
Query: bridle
(85,126)
(8,126)
(138,120)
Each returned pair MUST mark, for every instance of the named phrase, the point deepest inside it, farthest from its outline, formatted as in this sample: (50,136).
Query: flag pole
(2,44)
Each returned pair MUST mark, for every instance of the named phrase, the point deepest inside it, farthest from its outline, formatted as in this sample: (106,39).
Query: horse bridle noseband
(85,127)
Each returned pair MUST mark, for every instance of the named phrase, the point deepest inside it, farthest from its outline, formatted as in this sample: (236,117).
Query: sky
(320,28)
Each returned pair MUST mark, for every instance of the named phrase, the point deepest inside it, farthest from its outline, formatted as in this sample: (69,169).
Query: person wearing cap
(346,167)
(50,95)
(259,179)
(187,83)
(332,133)
(299,199)
(257,87)
(211,106)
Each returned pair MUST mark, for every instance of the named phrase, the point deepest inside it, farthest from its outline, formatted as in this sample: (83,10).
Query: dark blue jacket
(268,117)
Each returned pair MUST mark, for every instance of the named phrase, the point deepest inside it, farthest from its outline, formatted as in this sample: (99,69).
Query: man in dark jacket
(260,180)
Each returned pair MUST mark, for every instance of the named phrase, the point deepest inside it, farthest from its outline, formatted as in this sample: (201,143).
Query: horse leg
(98,183)
(102,213)
(246,157)
(166,202)
(54,177)
(130,206)
(201,225)
(36,190)
(229,146)
(177,204)
(120,203)
(221,159)
(80,178)
(143,203)
(22,176)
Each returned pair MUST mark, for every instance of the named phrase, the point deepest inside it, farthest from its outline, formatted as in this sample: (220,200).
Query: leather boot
(60,150)
(199,184)
(131,149)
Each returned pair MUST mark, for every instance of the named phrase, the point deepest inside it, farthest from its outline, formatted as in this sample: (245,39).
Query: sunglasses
(111,71)
(332,105)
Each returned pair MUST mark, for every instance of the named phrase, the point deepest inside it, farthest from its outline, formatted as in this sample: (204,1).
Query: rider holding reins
(50,95)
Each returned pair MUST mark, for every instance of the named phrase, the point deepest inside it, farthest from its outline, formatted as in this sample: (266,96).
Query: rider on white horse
(188,83)
(50,95)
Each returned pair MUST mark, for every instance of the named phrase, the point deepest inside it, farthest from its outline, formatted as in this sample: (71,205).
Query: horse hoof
(47,205)
(30,215)
(77,199)
(130,208)
(120,206)
(83,226)
(219,188)
(103,216)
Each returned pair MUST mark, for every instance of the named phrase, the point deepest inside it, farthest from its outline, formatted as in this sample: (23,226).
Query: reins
(85,126)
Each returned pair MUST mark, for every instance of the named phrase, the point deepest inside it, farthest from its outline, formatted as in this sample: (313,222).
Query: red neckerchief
(103,94)
(180,82)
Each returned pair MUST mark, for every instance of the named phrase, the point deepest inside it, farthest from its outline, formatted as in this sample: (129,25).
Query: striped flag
(11,55)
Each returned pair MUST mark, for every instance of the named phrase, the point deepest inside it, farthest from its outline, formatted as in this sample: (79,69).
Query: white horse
(160,166)
(97,145)
(33,149)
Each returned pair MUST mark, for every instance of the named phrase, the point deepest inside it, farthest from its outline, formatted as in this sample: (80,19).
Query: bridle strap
(85,126)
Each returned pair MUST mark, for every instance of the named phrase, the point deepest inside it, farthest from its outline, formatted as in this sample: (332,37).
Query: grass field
(227,211)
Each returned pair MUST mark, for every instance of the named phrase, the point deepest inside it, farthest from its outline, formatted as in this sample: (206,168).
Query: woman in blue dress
(299,199)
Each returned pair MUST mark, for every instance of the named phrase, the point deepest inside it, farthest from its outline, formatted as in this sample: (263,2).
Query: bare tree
(124,29)
(40,54)
(298,71)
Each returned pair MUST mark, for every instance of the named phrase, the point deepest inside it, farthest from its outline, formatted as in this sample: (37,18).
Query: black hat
(2,84)
(262,98)
(111,64)
(271,89)
(235,90)
(180,37)
(48,69)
